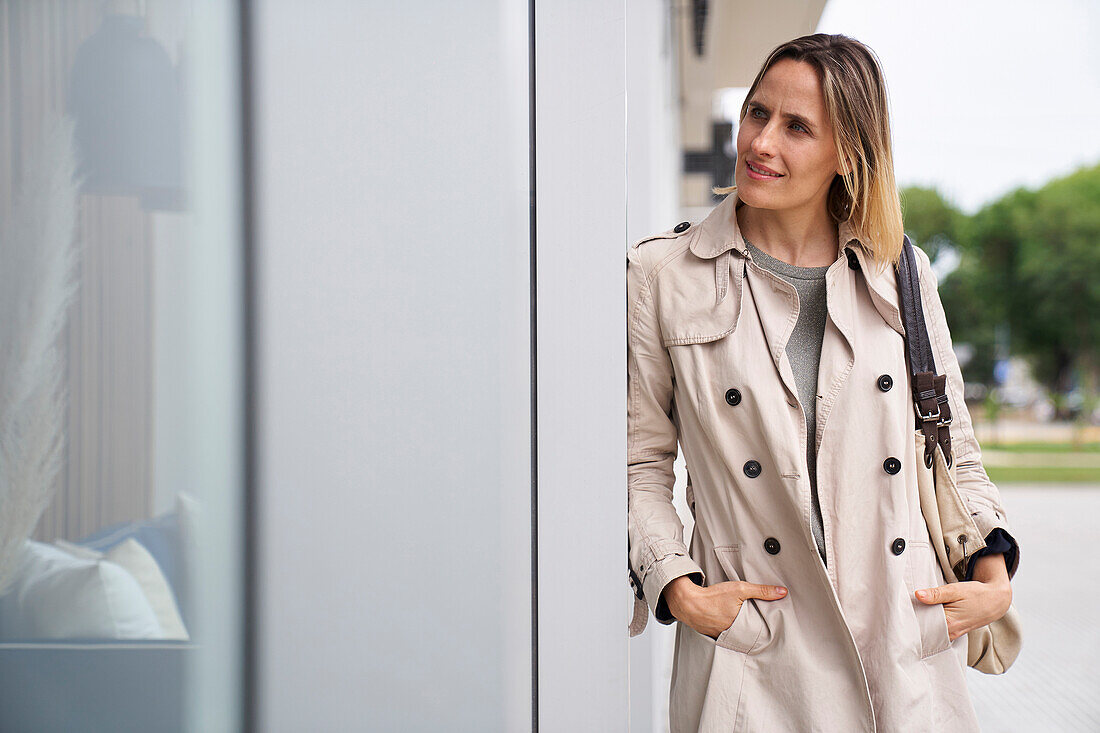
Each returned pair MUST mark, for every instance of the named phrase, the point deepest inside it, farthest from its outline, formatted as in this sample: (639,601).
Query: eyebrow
(789,115)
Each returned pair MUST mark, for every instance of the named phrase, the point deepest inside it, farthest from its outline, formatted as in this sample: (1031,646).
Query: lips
(762,170)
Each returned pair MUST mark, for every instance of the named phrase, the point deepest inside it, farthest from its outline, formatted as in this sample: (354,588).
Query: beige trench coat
(849,648)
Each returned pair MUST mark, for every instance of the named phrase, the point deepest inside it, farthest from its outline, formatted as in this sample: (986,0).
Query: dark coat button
(752,469)
(892,465)
(681,226)
(733,396)
(852,261)
(772,545)
(898,546)
(885,382)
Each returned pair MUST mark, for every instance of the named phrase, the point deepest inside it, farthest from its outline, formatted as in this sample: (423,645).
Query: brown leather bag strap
(933,411)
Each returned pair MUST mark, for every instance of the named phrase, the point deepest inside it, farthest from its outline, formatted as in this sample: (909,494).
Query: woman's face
(800,149)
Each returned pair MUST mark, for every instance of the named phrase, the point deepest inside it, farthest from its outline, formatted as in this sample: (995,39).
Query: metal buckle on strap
(930,416)
(937,416)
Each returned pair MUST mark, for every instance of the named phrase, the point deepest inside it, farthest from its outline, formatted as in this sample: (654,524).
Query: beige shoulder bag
(991,648)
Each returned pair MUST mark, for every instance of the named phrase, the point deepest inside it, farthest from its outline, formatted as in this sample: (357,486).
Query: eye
(753,109)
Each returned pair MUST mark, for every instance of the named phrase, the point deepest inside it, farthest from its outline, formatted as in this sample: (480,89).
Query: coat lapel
(776,310)
(838,352)
(881,282)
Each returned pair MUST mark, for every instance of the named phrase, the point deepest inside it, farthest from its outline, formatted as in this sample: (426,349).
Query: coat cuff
(663,572)
(998,540)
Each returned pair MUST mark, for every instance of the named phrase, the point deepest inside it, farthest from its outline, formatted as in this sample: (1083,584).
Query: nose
(763,144)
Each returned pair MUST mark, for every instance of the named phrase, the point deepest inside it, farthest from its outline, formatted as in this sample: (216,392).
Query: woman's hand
(972,604)
(710,610)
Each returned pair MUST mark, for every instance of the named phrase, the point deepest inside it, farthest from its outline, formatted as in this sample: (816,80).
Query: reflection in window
(99,500)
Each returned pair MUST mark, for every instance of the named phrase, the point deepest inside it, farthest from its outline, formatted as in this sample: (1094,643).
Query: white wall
(583,595)
(395,441)
(396,374)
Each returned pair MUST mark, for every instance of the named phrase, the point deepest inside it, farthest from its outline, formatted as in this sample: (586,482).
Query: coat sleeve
(656,550)
(981,495)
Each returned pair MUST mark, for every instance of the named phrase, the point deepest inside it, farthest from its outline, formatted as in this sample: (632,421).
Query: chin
(753,196)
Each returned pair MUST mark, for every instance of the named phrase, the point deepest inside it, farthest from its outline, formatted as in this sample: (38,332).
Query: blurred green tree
(1031,260)
(1055,303)
(938,227)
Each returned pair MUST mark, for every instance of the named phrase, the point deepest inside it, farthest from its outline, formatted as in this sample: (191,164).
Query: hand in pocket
(717,610)
(969,604)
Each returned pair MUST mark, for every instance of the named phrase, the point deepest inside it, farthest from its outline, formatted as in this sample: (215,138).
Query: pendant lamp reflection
(125,96)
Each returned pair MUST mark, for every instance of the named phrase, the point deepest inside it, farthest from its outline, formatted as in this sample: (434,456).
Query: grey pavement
(1054,684)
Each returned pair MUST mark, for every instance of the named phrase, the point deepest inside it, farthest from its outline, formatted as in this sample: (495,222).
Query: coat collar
(719,233)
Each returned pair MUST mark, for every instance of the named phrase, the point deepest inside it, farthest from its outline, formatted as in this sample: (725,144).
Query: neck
(804,238)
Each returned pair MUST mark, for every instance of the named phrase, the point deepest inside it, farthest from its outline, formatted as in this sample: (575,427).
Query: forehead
(793,86)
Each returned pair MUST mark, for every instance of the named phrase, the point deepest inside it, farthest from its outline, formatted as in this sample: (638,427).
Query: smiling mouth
(756,170)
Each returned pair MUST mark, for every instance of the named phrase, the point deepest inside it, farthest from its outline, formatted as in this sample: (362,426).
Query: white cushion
(134,557)
(55,595)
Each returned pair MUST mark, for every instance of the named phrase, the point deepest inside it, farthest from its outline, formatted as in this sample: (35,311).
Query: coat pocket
(749,630)
(922,570)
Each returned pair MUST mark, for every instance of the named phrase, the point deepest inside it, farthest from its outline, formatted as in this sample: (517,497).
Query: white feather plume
(37,263)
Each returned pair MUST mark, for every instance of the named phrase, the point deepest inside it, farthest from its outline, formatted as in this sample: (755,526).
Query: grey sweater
(804,353)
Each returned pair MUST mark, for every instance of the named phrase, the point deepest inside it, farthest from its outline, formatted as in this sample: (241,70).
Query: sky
(984,96)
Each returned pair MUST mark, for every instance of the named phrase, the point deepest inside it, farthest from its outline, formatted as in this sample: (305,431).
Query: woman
(768,342)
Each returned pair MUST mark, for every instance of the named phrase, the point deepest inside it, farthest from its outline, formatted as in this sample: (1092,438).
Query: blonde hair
(856,102)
